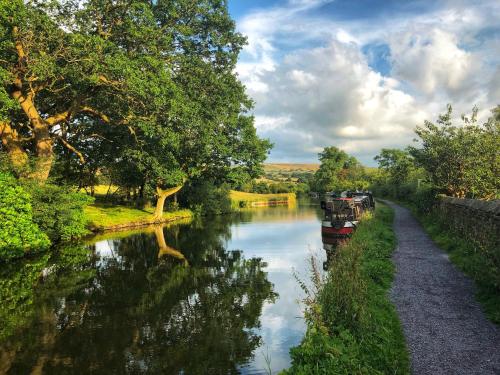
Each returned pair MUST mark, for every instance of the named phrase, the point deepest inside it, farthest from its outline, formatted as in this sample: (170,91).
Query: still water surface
(212,296)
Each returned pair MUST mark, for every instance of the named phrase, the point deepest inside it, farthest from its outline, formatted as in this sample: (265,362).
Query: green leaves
(18,232)
(338,171)
(58,211)
(461,161)
(144,92)
(398,164)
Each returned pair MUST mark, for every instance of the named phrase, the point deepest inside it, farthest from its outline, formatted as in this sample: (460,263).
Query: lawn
(241,199)
(105,216)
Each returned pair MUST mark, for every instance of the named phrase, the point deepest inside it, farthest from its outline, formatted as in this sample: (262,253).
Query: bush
(58,211)
(424,199)
(18,231)
(203,197)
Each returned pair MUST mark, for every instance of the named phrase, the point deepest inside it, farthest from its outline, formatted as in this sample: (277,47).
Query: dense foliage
(275,187)
(460,161)
(204,197)
(352,327)
(338,171)
(18,231)
(144,93)
(58,211)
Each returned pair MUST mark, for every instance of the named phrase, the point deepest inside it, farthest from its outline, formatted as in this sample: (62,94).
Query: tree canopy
(398,164)
(338,171)
(135,87)
(461,160)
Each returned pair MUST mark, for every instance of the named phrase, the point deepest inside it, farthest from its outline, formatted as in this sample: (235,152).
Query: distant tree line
(461,161)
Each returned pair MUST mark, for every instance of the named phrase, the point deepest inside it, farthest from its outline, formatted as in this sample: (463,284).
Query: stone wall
(479,221)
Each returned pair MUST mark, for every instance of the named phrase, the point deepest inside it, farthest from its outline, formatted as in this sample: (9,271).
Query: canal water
(211,296)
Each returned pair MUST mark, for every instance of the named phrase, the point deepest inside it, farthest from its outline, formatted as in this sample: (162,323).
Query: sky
(362,74)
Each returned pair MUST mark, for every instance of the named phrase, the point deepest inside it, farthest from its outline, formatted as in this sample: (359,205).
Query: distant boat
(343,213)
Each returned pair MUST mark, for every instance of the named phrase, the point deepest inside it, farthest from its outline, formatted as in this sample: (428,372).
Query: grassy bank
(353,327)
(470,259)
(102,217)
(241,199)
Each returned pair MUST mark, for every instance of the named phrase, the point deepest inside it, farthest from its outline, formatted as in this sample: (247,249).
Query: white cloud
(329,95)
(313,85)
(431,60)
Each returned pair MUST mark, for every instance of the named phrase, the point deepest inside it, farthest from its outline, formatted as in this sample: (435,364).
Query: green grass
(353,327)
(241,199)
(104,216)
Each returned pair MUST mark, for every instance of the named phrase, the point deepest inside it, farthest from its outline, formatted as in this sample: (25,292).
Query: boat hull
(332,232)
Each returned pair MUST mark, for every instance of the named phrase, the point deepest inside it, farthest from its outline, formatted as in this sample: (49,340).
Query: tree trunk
(44,154)
(162,196)
(164,249)
(12,144)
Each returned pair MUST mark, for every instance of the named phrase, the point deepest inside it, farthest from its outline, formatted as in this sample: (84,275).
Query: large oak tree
(155,78)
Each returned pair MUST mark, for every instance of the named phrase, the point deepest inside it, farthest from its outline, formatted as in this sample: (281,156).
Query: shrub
(206,198)
(18,231)
(424,199)
(58,211)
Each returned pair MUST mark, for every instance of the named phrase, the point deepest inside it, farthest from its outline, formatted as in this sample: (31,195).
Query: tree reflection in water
(175,301)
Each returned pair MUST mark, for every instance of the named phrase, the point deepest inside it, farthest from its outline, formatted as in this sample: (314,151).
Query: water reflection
(330,245)
(166,300)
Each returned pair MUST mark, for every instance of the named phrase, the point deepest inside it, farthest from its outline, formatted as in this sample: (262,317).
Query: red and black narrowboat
(342,214)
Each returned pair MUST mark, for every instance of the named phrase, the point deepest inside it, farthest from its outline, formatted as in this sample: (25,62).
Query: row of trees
(142,92)
(456,160)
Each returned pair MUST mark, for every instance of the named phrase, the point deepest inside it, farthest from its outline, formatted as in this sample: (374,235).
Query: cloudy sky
(361,74)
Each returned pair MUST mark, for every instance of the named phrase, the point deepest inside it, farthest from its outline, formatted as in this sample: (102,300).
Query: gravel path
(445,329)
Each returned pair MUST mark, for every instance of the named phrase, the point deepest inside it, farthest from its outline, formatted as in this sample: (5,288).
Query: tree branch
(71,148)
(96,113)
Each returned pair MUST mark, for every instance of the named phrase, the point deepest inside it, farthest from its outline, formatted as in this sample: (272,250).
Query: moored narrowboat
(342,214)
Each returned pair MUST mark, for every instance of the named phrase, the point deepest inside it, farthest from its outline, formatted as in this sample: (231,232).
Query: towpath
(445,328)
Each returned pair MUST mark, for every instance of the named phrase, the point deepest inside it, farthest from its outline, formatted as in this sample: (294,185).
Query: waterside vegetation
(240,199)
(352,327)
(101,217)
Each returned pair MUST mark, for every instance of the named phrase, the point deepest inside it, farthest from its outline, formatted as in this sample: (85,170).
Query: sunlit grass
(241,199)
(103,216)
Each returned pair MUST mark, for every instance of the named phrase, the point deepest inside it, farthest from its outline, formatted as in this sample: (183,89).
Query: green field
(104,217)
(291,167)
(241,199)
